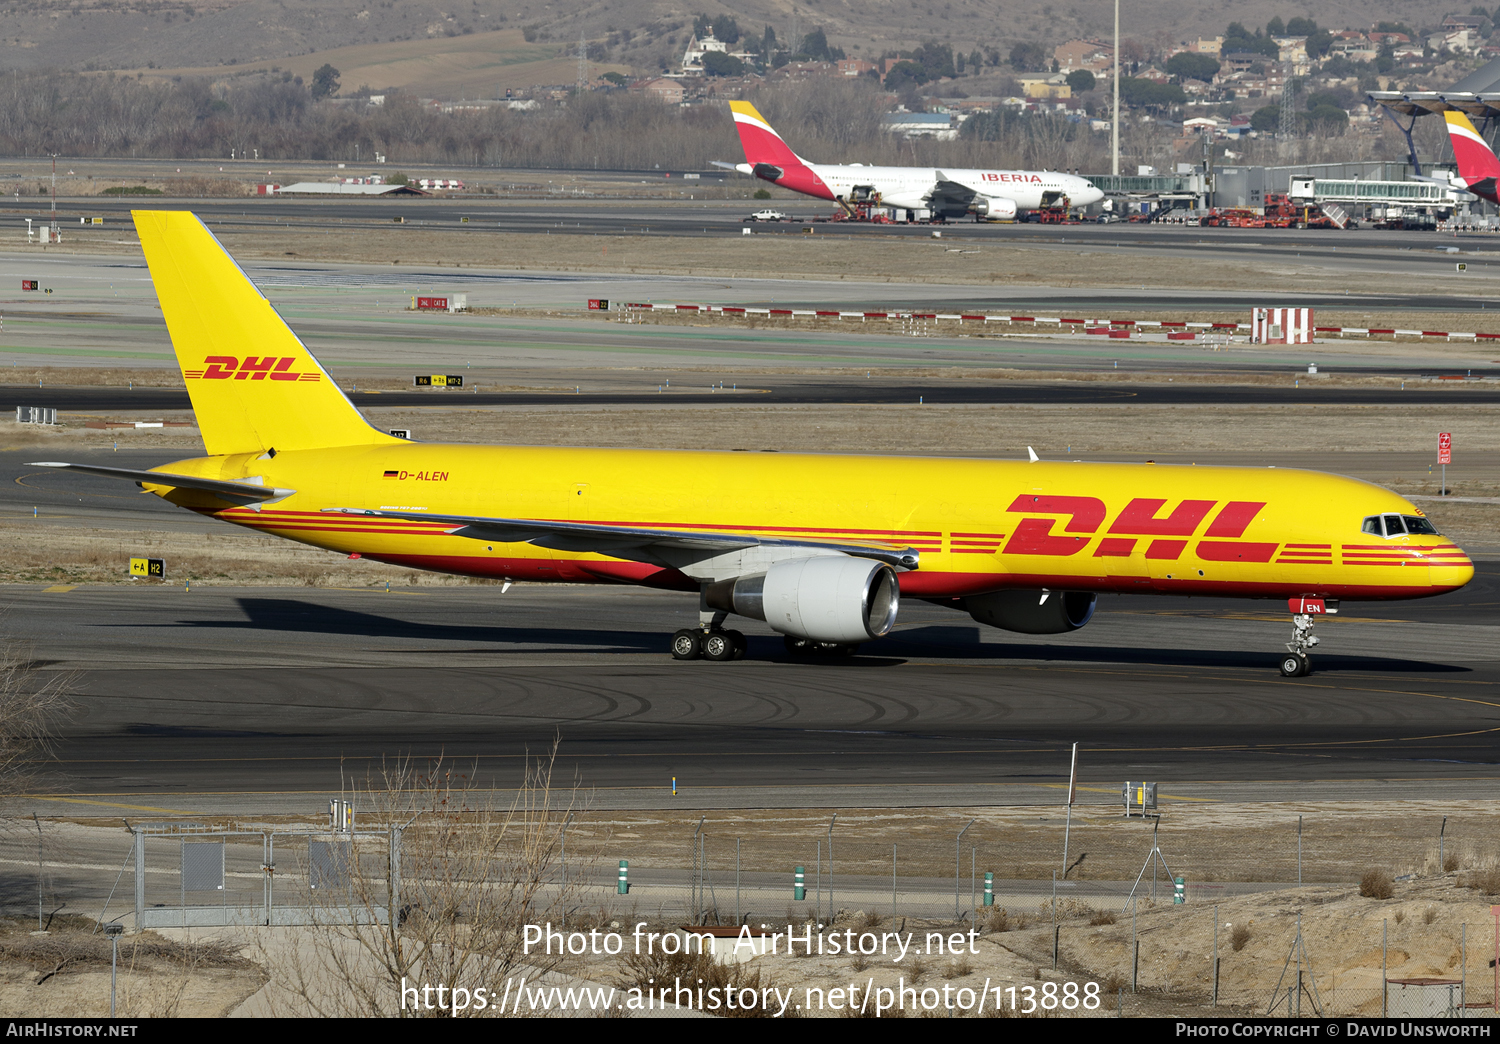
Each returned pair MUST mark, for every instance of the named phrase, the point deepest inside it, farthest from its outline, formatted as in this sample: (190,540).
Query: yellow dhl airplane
(822,547)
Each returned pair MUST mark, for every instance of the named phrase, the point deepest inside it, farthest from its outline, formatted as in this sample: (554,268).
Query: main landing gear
(1296,663)
(709,643)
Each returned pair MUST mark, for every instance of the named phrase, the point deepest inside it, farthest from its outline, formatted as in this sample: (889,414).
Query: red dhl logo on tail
(251,368)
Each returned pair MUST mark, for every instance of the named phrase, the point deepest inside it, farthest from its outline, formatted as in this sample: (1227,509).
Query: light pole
(1114,164)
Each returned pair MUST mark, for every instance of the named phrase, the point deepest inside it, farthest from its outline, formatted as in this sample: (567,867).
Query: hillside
(477,65)
(642,35)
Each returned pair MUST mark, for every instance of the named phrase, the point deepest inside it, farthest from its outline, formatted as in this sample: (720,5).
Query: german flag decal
(393,474)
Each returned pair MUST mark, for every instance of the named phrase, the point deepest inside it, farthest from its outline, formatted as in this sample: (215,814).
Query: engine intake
(1032,611)
(824,598)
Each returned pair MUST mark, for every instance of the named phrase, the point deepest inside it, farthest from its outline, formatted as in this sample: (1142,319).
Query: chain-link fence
(1204,908)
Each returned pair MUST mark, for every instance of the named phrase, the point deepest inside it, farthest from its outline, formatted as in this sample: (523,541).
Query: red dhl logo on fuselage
(252,367)
(1141,518)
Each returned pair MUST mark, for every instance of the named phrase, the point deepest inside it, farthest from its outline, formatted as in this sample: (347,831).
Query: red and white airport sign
(1445,447)
(1312,606)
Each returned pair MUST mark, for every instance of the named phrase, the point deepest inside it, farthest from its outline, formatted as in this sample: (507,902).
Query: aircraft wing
(631,542)
(243,491)
(948,192)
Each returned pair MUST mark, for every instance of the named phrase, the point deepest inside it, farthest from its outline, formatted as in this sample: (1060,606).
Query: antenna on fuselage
(1032,454)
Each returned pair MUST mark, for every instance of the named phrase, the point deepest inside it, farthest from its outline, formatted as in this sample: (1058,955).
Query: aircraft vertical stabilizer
(254,385)
(1478,167)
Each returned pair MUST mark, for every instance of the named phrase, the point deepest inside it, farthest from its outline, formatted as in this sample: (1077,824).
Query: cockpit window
(1397,525)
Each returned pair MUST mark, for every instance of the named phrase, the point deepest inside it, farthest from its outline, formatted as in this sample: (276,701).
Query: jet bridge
(1426,195)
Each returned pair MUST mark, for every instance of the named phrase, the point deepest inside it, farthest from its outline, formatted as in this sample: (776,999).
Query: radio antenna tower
(1288,128)
(583,63)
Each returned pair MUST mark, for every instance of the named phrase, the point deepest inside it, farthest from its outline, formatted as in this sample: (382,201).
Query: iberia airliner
(989,195)
(822,547)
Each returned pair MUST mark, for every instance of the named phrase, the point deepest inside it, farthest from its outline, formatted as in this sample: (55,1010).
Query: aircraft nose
(1449,568)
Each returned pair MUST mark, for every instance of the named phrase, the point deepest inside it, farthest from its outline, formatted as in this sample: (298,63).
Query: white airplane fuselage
(912,187)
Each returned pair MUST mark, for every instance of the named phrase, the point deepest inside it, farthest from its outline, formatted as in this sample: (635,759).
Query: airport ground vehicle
(986,195)
(1279,211)
(822,547)
(767,215)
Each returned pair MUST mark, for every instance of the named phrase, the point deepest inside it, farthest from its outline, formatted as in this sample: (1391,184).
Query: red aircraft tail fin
(1477,164)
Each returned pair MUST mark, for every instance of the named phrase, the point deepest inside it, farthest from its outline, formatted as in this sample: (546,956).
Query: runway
(224,700)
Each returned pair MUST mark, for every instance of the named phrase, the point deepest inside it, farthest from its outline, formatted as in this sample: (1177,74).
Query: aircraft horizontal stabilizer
(246,491)
(628,541)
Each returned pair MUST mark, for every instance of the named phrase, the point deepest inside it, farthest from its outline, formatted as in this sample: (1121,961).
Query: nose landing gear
(1296,663)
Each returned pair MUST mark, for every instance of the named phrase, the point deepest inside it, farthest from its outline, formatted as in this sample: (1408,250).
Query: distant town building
(854,66)
(663,88)
(939,125)
(1092,55)
(692,58)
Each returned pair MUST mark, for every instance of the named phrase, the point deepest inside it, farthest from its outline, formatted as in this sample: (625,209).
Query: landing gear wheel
(1295,665)
(718,646)
(741,645)
(685,645)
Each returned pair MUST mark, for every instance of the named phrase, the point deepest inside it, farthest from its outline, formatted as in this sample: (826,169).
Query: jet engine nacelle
(825,598)
(1034,611)
(993,208)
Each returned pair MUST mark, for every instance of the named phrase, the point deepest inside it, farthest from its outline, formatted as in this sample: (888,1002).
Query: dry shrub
(469,878)
(1112,984)
(650,970)
(918,969)
(1377,884)
(1450,862)
(959,967)
(1102,917)
(30,705)
(201,187)
(860,962)
(1239,937)
(870,920)
(1400,916)
(1001,920)
(73,943)
(1485,881)
(1429,915)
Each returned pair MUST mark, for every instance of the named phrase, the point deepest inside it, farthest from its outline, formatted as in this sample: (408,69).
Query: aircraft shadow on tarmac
(286,614)
(935,641)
